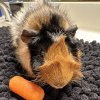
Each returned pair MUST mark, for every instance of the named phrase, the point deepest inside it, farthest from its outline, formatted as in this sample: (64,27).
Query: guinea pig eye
(71,30)
(35,39)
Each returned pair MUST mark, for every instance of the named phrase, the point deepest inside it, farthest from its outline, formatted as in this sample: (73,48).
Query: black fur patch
(44,41)
(53,27)
(72,44)
(38,49)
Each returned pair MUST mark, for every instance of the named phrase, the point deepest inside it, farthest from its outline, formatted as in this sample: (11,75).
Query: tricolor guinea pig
(45,44)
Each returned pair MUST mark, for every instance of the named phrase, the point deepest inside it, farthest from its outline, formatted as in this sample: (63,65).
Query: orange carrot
(26,89)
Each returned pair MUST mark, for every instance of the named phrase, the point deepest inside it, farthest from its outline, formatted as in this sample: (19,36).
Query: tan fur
(24,57)
(59,67)
(32,23)
(64,23)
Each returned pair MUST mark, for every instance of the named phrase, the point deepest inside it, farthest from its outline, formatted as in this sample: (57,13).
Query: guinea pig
(45,43)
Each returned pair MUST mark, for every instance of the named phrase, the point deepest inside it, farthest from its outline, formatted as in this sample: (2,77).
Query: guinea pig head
(59,66)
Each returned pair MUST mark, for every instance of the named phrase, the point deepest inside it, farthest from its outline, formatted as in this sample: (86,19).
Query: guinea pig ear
(27,36)
(72,30)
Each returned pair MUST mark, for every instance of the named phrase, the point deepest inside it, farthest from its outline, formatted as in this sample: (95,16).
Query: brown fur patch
(59,67)
(24,56)
(33,23)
